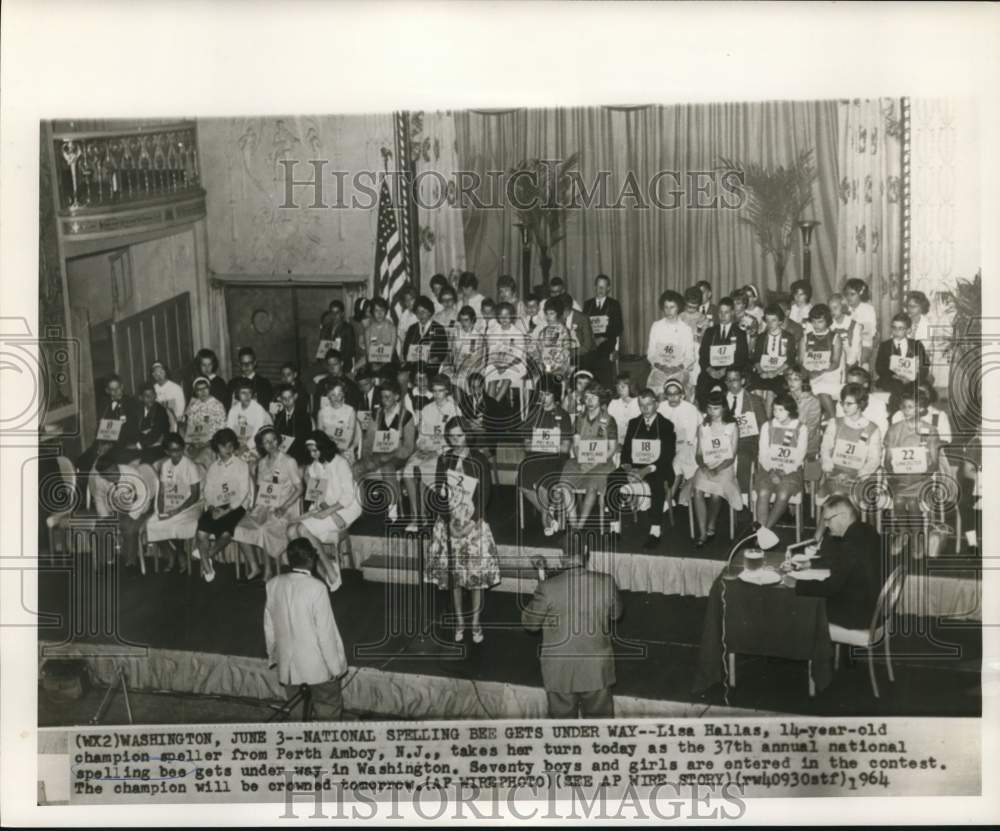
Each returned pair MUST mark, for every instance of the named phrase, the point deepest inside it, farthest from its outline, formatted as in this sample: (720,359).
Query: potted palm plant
(965,394)
(542,195)
(776,198)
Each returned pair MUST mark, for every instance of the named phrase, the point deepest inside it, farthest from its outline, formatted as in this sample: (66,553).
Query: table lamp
(766,538)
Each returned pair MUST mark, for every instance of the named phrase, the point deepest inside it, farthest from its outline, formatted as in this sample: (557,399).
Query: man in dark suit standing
(901,362)
(606,326)
(723,345)
(574,609)
(852,550)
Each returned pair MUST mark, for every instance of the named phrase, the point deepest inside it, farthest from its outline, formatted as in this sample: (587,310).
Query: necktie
(725,332)
(732,403)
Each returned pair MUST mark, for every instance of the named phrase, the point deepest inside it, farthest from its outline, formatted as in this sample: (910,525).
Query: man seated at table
(647,458)
(852,550)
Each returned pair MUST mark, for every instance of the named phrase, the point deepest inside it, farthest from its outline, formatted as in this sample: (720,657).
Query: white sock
(654,530)
(616,527)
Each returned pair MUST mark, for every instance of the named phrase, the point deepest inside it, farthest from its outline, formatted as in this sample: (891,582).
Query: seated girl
(781,454)
(204,417)
(178,502)
(228,492)
(912,449)
(279,489)
(332,504)
(718,438)
(549,437)
(246,417)
(339,421)
(851,450)
(430,443)
(595,442)
(388,446)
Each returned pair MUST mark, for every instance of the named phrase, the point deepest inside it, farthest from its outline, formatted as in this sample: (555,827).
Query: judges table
(767,620)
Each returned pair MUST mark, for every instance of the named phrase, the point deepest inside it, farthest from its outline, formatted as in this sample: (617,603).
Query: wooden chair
(868,639)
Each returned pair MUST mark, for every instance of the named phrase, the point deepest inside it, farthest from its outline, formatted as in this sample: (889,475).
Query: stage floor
(676,540)
(656,644)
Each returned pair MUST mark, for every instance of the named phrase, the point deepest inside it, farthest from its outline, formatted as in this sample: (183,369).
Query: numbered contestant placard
(109,429)
(908,459)
(722,354)
(544,440)
(593,451)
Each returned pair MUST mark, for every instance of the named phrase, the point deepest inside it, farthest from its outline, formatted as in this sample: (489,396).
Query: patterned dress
(470,562)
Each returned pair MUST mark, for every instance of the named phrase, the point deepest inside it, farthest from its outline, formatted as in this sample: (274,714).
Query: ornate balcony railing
(128,166)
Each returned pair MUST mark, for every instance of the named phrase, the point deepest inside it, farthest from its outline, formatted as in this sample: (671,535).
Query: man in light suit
(574,609)
(303,641)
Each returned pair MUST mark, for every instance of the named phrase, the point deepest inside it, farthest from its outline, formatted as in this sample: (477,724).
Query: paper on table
(810,574)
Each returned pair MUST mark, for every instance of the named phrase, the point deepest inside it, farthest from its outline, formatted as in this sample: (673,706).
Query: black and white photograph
(646,431)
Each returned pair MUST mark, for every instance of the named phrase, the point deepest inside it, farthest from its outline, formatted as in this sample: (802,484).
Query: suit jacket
(751,403)
(613,309)
(713,337)
(852,589)
(584,334)
(574,609)
(884,377)
(261,389)
(299,425)
(760,346)
(661,427)
(300,631)
(345,331)
(130,410)
(153,425)
(435,337)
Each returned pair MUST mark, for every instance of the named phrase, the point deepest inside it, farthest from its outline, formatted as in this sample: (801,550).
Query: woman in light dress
(178,502)
(332,504)
(168,393)
(718,437)
(339,421)
(204,417)
(279,489)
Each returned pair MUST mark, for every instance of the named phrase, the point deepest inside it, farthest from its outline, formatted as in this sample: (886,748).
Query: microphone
(806,543)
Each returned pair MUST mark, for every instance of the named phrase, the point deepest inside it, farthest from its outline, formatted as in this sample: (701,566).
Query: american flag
(390,268)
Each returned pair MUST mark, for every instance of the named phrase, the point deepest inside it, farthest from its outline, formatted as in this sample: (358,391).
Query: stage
(946,587)
(185,635)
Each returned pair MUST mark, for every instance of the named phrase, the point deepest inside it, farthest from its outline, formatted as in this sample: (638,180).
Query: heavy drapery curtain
(440,232)
(869,236)
(647,250)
